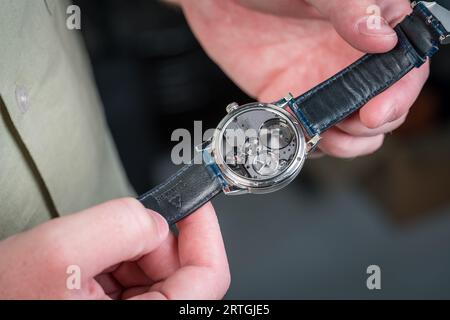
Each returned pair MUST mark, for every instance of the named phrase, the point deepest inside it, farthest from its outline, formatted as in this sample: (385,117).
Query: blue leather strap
(183,193)
(337,98)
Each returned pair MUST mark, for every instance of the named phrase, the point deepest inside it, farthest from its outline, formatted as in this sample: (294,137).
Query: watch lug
(286,102)
(312,144)
(232,107)
(234,191)
(205,150)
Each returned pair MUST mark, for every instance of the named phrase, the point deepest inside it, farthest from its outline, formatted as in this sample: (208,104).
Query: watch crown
(231,107)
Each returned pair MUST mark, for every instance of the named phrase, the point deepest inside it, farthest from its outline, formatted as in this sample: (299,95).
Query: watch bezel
(266,185)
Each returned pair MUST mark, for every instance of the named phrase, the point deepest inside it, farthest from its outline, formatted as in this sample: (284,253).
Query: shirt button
(22,98)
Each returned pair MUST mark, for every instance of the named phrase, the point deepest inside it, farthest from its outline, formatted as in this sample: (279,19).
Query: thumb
(364,24)
(102,236)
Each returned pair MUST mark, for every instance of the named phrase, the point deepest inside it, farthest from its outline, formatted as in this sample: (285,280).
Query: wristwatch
(261,147)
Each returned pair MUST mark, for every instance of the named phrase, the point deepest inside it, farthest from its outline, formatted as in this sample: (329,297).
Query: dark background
(315,238)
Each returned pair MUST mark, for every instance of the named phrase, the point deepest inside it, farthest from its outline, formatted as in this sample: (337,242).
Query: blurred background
(315,238)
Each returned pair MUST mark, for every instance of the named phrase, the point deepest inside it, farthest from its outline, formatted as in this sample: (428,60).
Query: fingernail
(375,26)
(161,223)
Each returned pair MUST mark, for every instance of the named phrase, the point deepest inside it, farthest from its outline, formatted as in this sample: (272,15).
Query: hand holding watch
(261,147)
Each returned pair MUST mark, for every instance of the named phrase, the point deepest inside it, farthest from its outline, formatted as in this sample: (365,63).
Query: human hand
(272,47)
(123,251)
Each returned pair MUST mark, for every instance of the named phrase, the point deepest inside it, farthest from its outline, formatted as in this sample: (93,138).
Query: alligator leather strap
(346,92)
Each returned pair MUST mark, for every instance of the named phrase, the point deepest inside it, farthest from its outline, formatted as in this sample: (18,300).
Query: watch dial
(258,144)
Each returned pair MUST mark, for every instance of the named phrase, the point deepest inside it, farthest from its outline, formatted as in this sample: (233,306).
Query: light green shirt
(56,154)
